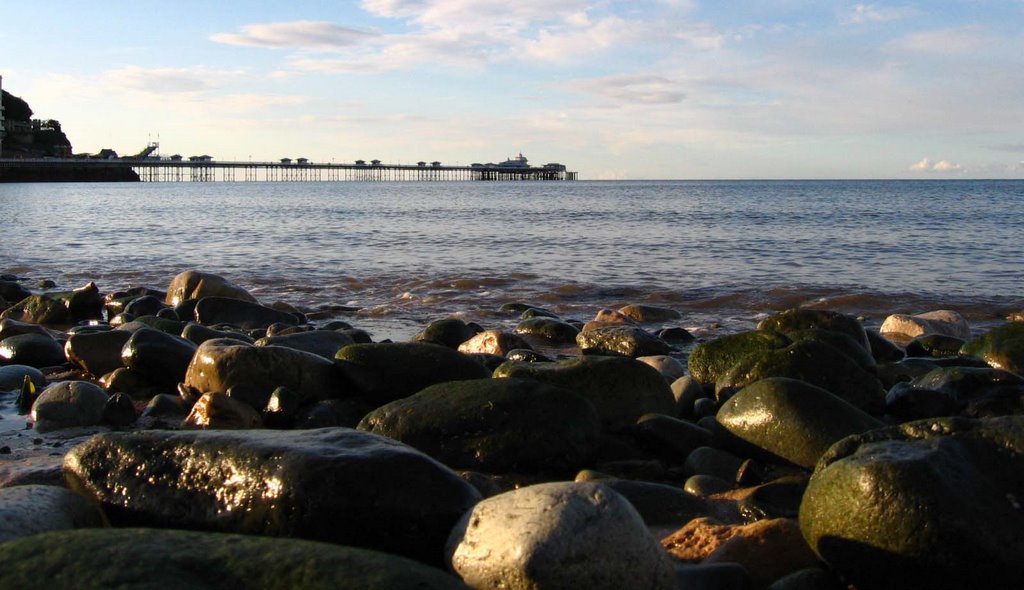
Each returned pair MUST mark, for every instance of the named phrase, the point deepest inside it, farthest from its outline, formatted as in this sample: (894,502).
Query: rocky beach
(191,435)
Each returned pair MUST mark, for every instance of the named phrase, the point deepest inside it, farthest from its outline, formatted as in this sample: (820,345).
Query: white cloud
(310,35)
(873,13)
(970,40)
(623,89)
(926,165)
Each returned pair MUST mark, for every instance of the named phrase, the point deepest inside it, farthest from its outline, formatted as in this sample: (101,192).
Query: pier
(206,169)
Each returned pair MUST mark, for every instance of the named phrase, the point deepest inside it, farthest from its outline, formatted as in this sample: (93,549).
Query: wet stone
(30,509)
(68,403)
(628,341)
(552,329)
(34,350)
(334,484)
(194,285)
(239,313)
(98,353)
(13,376)
(325,343)
(160,357)
(493,342)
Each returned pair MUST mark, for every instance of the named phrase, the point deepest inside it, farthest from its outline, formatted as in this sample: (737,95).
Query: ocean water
(723,253)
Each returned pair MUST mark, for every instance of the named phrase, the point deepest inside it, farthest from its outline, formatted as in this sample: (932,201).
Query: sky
(649,89)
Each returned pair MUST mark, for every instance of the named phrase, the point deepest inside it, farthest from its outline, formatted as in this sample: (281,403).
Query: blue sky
(645,89)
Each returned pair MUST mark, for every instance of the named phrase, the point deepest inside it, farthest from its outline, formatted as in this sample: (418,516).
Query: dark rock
(325,343)
(384,372)
(552,329)
(980,391)
(514,307)
(119,411)
(839,341)
(628,341)
(536,312)
(814,362)
(527,356)
(669,438)
(659,503)
(493,425)
(136,385)
(150,558)
(243,314)
(172,327)
(39,309)
(34,350)
(794,320)
(621,389)
(890,374)
(712,461)
(198,333)
(776,499)
(1001,348)
(713,576)
(68,403)
(704,407)
(649,313)
(9,327)
(13,291)
(711,360)
(882,350)
(333,412)
(334,484)
(792,419)
(675,335)
(358,336)
(812,578)
(906,403)
(687,391)
(167,407)
(450,332)
(27,510)
(282,408)
(935,345)
(145,305)
(13,376)
(706,485)
(98,353)
(160,357)
(220,364)
(489,361)
(927,504)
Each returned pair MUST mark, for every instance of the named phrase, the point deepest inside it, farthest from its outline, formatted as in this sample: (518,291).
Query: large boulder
(943,321)
(710,360)
(247,315)
(494,425)
(68,403)
(222,363)
(160,357)
(630,341)
(100,559)
(1001,348)
(794,320)
(929,504)
(30,509)
(450,332)
(34,350)
(332,484)
(792,419)
(812,361)
(193,284)
(325,343)
(98,353)
(621,389)
(385,371)
(558,535)
(553,330)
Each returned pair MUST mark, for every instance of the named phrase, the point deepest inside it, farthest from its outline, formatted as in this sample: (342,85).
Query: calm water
(724,253)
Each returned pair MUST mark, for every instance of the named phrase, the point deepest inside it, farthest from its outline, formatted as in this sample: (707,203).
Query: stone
(926,504)
(839,341)
(814,362)
(647,314)
(450,332)
(713,576)
(385,371)
(325,343)
(710,360)
(98,353)
(946,322)
(811,578)
(333,412)
(12,377)
(767,549)
(536,312)
(119,411)
(711,461)
(621,389)
(935,345)
(220,364)
(95,559)
(558,535)
(687,391)
(1001,347)
(135,385)
(675,336)
(698,538)
(217,411)
(493,342)
(34,350)
(196,285)
(658,503)
(9,327)
(906,402)
(670,439)
(883,350)
(13,291)
(494,425)
(551,329)
(333,484)
(145,305)
(199,333)
(706,485)
(629,341)
(68,403)
(669,367)
(792,419)
(160,357)
(39,309)
(167,407)
(613,316)
(794,320)
(31,509)
(242,314)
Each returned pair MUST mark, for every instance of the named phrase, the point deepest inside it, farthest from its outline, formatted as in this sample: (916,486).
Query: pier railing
(165,170)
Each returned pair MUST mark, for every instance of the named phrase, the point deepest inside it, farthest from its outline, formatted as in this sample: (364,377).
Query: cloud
(308,35)
(926,165)
(623,89)
(167,81)
(873,13)
(966,40)
(1008,147)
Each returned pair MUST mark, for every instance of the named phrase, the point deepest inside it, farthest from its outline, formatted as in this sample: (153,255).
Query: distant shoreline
(84,173)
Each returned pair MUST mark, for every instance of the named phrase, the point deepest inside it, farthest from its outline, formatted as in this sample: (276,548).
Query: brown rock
(698,539)
(613,316)
(218,411)
(193,284)
(768,549)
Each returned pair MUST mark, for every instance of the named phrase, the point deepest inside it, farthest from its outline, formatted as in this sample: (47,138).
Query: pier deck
(166,170)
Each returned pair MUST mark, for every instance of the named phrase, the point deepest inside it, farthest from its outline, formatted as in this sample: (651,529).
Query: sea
(390,257)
